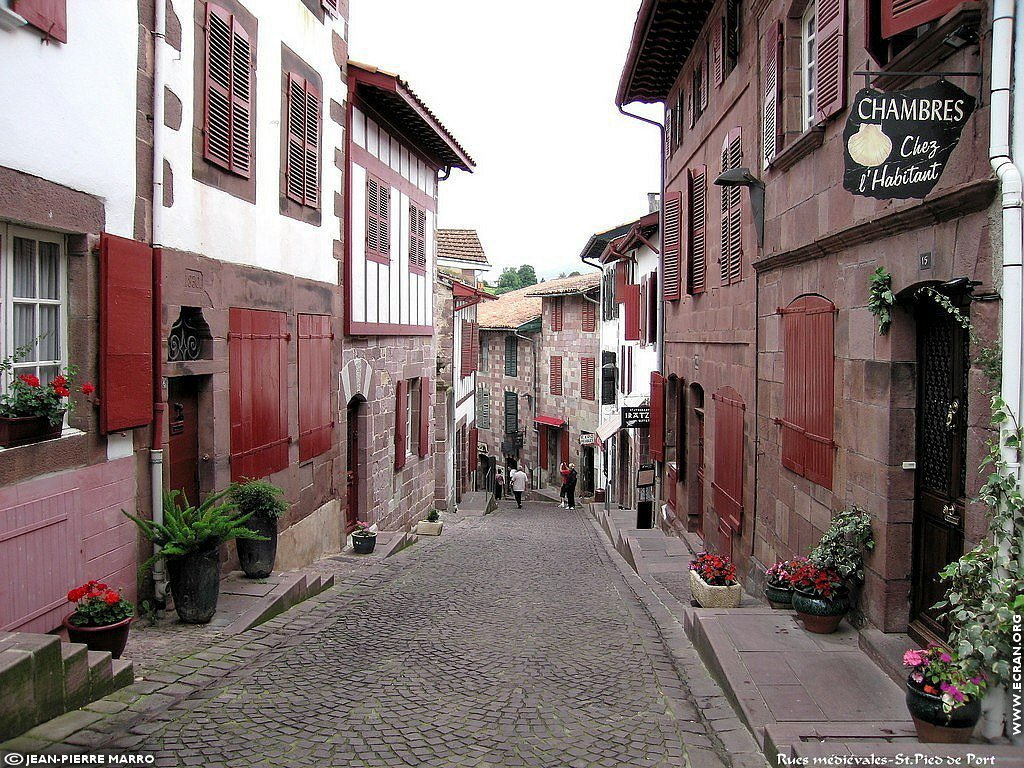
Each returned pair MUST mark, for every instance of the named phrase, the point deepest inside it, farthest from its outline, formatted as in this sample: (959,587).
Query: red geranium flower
(112,598)
(62,391)
(59,381)
(30,379)
(88,389)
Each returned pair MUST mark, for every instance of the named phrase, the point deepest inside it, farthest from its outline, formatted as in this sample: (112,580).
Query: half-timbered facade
(395,151)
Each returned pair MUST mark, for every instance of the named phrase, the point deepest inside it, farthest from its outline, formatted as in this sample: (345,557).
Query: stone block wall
(491,378)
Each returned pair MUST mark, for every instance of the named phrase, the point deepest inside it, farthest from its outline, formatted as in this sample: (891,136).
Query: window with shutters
(316,423)
(589,322)
(417,239)
(771,108)
(228,86)
(302,163)
(657,428)
(48,16)
(830,58)
(426,389)
(469,346)
(808,57)
(587,378)
(609,377)
(732,227)
(483,408)
(718,51)
(485,356)
(401,432)
(671,249)
(732,35)
(808,388)
(699,91)
(632,307)
(378,220)
(412,416)
(511,356)
(557,316)
(896,26)
(697,216)
(556,375)
(511,413)
(258,363)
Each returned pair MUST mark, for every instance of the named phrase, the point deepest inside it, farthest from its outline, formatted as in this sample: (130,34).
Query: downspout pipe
(156,452)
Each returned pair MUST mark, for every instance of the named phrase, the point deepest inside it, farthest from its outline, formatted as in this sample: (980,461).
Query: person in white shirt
(519,480)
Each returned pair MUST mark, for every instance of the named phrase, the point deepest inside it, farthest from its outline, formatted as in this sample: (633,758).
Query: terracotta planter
(27,429)
(820,615)
(715,597)
(779,597)
(936,726)
(109,637)
(363,545)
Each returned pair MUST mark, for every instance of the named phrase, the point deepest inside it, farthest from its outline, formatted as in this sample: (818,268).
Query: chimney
(653,202)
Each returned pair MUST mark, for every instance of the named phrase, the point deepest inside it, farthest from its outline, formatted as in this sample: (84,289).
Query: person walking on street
(518,479)
(564,472)
(570,486)
(499,481)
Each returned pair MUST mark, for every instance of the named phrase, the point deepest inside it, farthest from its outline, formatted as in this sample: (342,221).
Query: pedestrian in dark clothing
(563,470)
(570,487)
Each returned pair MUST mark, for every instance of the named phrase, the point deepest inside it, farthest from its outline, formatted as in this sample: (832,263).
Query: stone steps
(42,677)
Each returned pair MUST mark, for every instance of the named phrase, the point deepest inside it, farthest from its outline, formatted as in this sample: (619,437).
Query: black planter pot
(257,557)
(936,726)
(363,545)
(821,615)
(195,584)
(779,597)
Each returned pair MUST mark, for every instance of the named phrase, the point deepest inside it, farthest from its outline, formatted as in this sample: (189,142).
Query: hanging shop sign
(896,144)
(636,416)
(587,438)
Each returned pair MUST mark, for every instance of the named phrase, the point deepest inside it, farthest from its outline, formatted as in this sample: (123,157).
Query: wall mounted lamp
(742,177)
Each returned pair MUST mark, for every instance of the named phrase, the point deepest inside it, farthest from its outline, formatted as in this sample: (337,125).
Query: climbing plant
(881,299)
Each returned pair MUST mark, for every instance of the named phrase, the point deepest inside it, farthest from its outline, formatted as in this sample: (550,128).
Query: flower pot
(820,615)
(779,597)
(23,430)
(257,557)
(195,584)
(109,637)
(710,596)
(363,545)
(936,726)
(427,528)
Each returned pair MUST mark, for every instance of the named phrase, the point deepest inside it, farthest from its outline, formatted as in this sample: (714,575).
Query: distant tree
(574,273)
(513,278)
(527,275)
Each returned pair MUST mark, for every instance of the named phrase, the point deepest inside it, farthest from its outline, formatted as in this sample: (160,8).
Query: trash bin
(599,495)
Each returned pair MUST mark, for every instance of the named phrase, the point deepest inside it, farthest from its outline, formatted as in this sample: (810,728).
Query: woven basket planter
(715,597)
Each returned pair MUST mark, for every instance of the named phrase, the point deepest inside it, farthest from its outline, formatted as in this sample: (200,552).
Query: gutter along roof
(390,96)
(663,37)
(608,246)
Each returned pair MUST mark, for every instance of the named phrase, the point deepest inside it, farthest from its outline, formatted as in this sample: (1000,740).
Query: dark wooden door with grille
(941,467)
(352,475)
(183,437)
(699,414)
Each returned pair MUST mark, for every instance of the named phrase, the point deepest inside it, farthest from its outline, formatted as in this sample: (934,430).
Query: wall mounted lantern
(742,177)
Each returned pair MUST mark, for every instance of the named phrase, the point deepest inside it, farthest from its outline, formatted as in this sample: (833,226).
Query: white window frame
(808,63)
(7,235)
(412,395)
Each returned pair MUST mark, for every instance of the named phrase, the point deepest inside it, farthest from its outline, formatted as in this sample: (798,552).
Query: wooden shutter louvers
(698,214)
(830,75)
(671,249)
(227,134)
(771,109)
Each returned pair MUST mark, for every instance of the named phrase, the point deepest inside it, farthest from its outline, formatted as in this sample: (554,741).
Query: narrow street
(512,640)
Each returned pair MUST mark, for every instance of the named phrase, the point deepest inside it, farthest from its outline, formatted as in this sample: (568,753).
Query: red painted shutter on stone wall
(671,251)
(587,378)
(556,375)
(258,362)
(316,425)
(426,389)
(476,346)
(632,328)
(565,444)
(903,15)
(50,16)
(732,225)
(620,282)
(466,348)
(728,481)
(718,50)
(657,431)
(474,451)
(697,216)
(557,316)
(542,441)
(401,416)
(126,334)
(830,76)
(589,316)
(771,109)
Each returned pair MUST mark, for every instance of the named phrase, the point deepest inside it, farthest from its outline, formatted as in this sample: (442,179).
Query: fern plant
(187,529)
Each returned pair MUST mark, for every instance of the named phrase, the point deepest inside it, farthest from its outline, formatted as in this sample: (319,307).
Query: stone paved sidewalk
(514,639)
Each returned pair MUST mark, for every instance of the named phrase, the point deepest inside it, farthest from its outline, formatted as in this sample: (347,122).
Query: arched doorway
(355,458)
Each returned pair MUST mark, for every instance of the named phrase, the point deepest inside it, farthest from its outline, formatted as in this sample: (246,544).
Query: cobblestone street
(512,640)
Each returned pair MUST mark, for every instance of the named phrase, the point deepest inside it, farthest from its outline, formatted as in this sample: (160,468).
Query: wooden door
(183,440)
(699,415)
(941,467)
(587,475)
(352,474)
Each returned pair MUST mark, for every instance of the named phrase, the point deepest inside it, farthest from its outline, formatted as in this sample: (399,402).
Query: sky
(528,89)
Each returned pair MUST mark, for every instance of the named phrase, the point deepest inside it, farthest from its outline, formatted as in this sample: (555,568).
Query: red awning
(550,421)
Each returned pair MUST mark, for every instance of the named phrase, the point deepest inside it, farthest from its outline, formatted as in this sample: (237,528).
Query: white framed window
(33,300)
(808,62)
(412,416)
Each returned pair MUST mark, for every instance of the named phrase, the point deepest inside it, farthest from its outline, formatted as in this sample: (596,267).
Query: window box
(15,431)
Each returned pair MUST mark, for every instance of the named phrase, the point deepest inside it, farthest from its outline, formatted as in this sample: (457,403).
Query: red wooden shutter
(126,334)
(632,313)
(227,133)
(417,238)
(378,214)
(565,444)
(643,310)
(652,308)
(466,349)
(401,416)
(316,424)
(902,15)
(542,442)
(732,229)
(705,79)
(312,166)
(771,109)
(728,482)
(718,50)
(589,316)
(698,215)
(258,362)
(830,76)
(671,246)
(476,346)
(50,16)
(330,5)
(426,389)
(556,375)
(587,378)
(620,281)
(241,100)
(302,173)
(474,450)
(557,317)
(657,431)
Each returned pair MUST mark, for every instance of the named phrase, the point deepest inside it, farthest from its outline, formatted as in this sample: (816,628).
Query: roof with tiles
(567,286)
(461,245)
(509,311)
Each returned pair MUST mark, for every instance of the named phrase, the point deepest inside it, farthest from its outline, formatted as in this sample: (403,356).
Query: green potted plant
(713,581)
(778,586)
(820,597)
(431,526)
(101,619)
(260,501)
(31,411)
(364,538)
(844,543)
(190,539)
(943,695)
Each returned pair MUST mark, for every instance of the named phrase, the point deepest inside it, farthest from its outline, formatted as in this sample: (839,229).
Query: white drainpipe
(1003,101)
